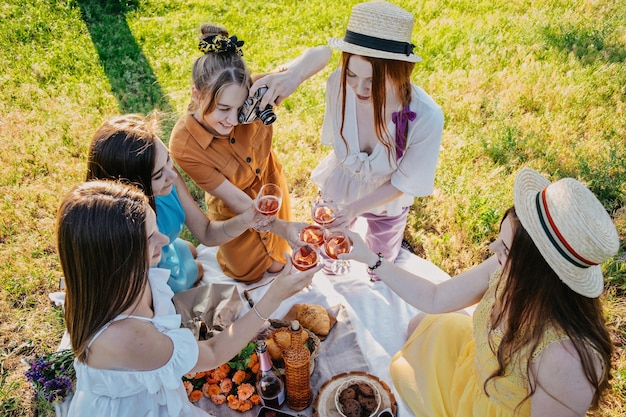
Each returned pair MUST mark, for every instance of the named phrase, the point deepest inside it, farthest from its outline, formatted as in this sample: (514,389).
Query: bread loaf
(279,340)
(274,350)
(314,317)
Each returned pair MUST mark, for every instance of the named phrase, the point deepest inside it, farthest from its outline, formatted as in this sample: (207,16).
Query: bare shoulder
(131,344)
(562,387)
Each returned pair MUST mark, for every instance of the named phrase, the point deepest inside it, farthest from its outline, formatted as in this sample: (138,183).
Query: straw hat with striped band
(378,29)
(569,226)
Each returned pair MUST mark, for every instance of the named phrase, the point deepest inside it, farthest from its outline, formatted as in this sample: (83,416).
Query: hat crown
(569,226)
(383,20)
(378,29)
(581,220)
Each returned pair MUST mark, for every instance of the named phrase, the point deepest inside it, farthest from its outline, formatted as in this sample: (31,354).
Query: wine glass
(267,204)
(323,211)
(313,235)
(337,242)
(304,258)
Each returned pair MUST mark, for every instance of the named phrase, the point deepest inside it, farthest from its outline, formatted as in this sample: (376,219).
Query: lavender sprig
(52,375)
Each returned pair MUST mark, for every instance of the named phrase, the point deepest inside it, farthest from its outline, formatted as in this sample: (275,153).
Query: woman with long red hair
(385,131)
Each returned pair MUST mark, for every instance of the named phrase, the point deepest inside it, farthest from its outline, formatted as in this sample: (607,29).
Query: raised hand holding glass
(337,242)
(304,258)
(267,204)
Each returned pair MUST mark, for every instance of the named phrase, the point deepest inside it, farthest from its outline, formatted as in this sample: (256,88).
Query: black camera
(250,110)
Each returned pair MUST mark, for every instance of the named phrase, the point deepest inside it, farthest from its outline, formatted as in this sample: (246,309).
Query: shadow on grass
(587,44)
(130,75)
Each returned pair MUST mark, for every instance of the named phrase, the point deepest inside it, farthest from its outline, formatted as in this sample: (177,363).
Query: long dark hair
(399,75)
(103,250)
(532,298)
(123,149)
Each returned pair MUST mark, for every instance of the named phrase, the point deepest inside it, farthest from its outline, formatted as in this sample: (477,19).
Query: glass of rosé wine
(312,235)
(337,242)
(304,258)
(323,211)
(267,204)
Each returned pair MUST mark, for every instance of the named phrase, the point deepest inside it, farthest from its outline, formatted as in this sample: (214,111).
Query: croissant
(314,317)
(274,350)
(283,337)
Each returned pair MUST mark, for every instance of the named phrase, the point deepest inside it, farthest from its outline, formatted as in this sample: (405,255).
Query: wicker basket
(297,376)
(314,343)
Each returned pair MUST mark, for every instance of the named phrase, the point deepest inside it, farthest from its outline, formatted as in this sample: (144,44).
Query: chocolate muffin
(365,389)
(368,403)
(351,408)
(347,394)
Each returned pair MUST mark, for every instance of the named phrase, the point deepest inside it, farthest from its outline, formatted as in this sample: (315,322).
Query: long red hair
(398,74)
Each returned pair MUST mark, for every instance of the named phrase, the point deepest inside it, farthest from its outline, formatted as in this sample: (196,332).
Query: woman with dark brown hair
(385,131)
(537,344)
(131,355)
(127,148)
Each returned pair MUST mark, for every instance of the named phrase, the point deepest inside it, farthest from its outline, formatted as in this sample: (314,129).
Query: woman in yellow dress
(537,344)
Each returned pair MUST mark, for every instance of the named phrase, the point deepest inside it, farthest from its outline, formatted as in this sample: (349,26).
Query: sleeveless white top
(131,393)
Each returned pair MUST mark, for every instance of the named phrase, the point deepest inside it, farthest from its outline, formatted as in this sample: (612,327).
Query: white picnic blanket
(378,315)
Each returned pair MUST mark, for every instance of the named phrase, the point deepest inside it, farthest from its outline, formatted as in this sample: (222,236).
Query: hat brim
(585,281)
(340,44)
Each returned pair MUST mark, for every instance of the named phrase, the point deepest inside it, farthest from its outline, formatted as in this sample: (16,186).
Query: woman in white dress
(384,130)
(130,349)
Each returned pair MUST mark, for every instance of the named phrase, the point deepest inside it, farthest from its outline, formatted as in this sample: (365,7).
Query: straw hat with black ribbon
(569,226)
(378,29)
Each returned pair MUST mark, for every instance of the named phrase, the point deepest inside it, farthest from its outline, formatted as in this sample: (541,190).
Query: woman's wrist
(277,226)
(264,308)
(226,231)
(243,223)
(259,315)
(377,263)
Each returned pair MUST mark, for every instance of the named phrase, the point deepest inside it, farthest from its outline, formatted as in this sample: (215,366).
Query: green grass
(521,83)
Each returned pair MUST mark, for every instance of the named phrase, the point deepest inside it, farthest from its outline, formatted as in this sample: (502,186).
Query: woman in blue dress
(128,148)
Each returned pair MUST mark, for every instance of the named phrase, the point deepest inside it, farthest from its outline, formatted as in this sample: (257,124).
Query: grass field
(521,83)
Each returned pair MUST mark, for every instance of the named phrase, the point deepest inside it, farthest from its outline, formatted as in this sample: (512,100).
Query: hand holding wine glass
(343,217)
(304,258)
(359,251)
(337,242)
(267,204)
(323,211)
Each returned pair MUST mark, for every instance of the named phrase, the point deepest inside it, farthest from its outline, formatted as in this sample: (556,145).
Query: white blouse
(346,175)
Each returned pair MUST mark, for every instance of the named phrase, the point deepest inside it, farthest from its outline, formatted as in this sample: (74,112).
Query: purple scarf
(401,119)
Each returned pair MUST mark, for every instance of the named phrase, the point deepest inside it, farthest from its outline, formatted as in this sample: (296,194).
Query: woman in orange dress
(231,160)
